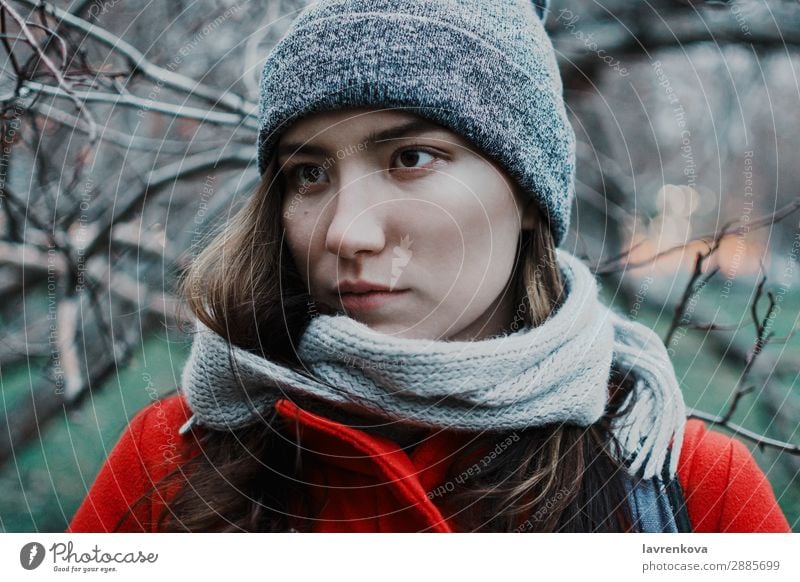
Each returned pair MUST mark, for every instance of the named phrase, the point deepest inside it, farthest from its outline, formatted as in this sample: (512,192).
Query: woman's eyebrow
(396,132)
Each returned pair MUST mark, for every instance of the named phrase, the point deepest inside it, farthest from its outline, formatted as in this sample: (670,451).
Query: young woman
(388,337)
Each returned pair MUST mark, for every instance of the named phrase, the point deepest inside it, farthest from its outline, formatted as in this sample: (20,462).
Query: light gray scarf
(557,372)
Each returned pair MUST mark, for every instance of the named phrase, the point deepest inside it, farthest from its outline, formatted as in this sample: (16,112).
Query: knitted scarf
(557,372)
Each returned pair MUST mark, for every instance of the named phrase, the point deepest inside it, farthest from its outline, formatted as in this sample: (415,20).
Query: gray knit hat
(486,69)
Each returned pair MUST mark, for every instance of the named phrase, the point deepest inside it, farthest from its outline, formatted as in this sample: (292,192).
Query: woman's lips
(370,300)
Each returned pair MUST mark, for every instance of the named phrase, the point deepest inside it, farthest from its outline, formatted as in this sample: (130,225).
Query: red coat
(725,490)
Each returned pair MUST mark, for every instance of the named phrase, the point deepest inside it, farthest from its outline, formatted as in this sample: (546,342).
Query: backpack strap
(677,502)
(650,505)
(658,504)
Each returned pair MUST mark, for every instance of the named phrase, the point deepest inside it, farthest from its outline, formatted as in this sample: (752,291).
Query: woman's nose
(357,222)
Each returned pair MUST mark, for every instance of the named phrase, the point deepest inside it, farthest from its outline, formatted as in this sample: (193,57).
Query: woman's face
(386,198)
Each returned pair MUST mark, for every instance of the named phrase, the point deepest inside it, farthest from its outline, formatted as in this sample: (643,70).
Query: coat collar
(414,475)
(357,450)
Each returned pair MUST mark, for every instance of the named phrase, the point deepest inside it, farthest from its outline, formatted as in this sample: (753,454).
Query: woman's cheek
(300,237)
(295,220)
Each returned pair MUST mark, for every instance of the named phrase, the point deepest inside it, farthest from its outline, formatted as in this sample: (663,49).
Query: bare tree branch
(750,435)
(182,111)
(66,86)
(619,262)
(246,111)
(692,289)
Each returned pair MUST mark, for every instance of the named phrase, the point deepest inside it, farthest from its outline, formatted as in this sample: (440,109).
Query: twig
(617,263)
(760,440)
(692,289)
(62,82)
(122,139)
(139,64)
(180,111)
(714,326)
(11,56)
(159,178)
(62,45)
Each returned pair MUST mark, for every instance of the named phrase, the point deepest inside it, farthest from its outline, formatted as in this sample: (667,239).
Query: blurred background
(128,138)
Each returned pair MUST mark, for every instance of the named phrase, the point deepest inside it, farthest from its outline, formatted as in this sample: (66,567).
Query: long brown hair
(244,286)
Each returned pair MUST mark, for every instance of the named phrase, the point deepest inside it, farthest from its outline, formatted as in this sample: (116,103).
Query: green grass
(46,481)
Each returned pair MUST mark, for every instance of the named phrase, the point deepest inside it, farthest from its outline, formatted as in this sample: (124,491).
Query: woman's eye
(411,158)
(308,175)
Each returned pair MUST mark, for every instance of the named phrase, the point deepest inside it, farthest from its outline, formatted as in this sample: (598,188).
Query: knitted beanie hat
(485,69)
